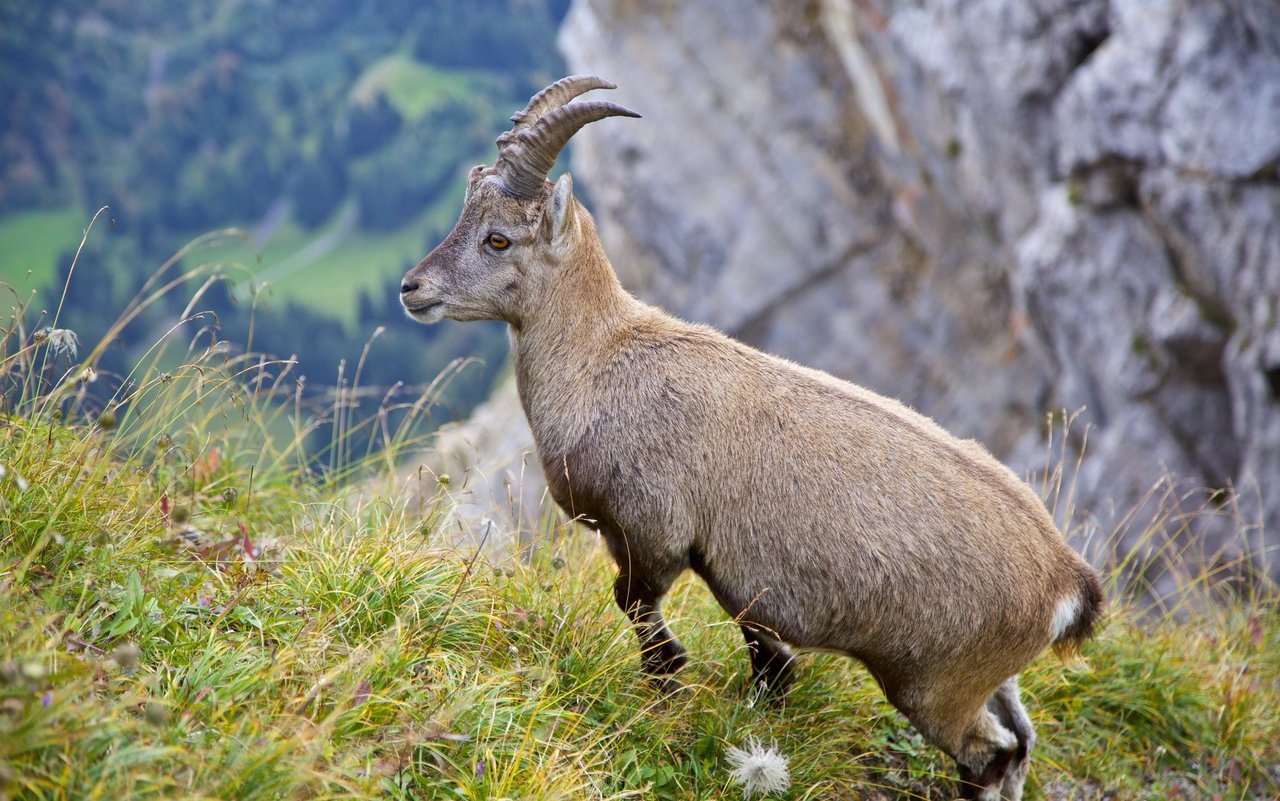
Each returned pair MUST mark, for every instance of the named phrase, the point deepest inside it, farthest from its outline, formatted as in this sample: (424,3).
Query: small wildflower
(444,479)
(758,769)
(62,340)
(87,376)
(163,442)
(46,700)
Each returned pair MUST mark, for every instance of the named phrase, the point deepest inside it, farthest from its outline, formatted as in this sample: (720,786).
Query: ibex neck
(559,351)
(584,309)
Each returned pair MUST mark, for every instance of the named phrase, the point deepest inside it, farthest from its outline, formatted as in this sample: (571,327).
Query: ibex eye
(498,242)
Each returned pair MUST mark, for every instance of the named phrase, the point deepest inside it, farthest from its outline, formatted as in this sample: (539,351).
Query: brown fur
(819,513)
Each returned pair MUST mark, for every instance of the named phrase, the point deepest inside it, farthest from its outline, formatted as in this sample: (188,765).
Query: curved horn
(527,154)
(556,95)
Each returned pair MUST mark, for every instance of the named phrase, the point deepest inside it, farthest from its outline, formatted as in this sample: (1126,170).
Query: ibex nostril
(409,286)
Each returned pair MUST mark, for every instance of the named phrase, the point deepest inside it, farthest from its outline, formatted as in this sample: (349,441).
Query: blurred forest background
(335,134)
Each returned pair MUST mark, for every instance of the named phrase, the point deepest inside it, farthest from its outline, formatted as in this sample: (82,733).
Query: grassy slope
(30,242)
(414,88)
(362,261)
(358,656)
(330,282)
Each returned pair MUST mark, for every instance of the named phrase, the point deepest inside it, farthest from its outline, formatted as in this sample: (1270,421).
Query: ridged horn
(527,152)
(556,95)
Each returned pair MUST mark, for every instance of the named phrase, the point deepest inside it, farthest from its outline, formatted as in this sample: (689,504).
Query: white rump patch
(1064,616)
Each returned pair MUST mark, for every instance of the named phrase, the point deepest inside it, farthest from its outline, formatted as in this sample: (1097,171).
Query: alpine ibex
(821,514)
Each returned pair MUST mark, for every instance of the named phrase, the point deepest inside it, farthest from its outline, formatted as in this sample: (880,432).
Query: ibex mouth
(428,312)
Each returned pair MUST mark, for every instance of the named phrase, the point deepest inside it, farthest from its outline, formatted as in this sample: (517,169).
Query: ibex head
(506,249)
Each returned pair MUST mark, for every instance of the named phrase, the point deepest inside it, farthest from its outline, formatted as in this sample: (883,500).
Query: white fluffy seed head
(758,769)
(61,340)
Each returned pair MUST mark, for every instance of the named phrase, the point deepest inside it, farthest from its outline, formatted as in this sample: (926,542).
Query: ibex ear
(560,209)
(473,178)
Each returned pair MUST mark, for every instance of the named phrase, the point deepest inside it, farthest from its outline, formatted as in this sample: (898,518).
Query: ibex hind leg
(1007,706)
(984,748)
(988,761)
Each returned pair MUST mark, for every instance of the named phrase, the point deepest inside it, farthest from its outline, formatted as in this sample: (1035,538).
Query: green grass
(359,656)
(30,242)
(413,88)
(362,261)
(190,608)
(329,281)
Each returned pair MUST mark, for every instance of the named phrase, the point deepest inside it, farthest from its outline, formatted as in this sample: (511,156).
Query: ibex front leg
(639,596)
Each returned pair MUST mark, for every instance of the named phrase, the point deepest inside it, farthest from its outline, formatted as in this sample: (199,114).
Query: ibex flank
(820,514)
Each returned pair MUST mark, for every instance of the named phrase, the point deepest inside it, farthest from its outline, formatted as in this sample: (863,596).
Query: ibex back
(821,514)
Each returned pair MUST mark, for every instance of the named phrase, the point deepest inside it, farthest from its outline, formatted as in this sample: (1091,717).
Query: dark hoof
(771,677)
(973,783)
(667,686)
(664,659)
(771,688)
(775,695)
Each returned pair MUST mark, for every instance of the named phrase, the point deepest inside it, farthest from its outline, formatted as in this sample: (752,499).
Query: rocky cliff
(991,209)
